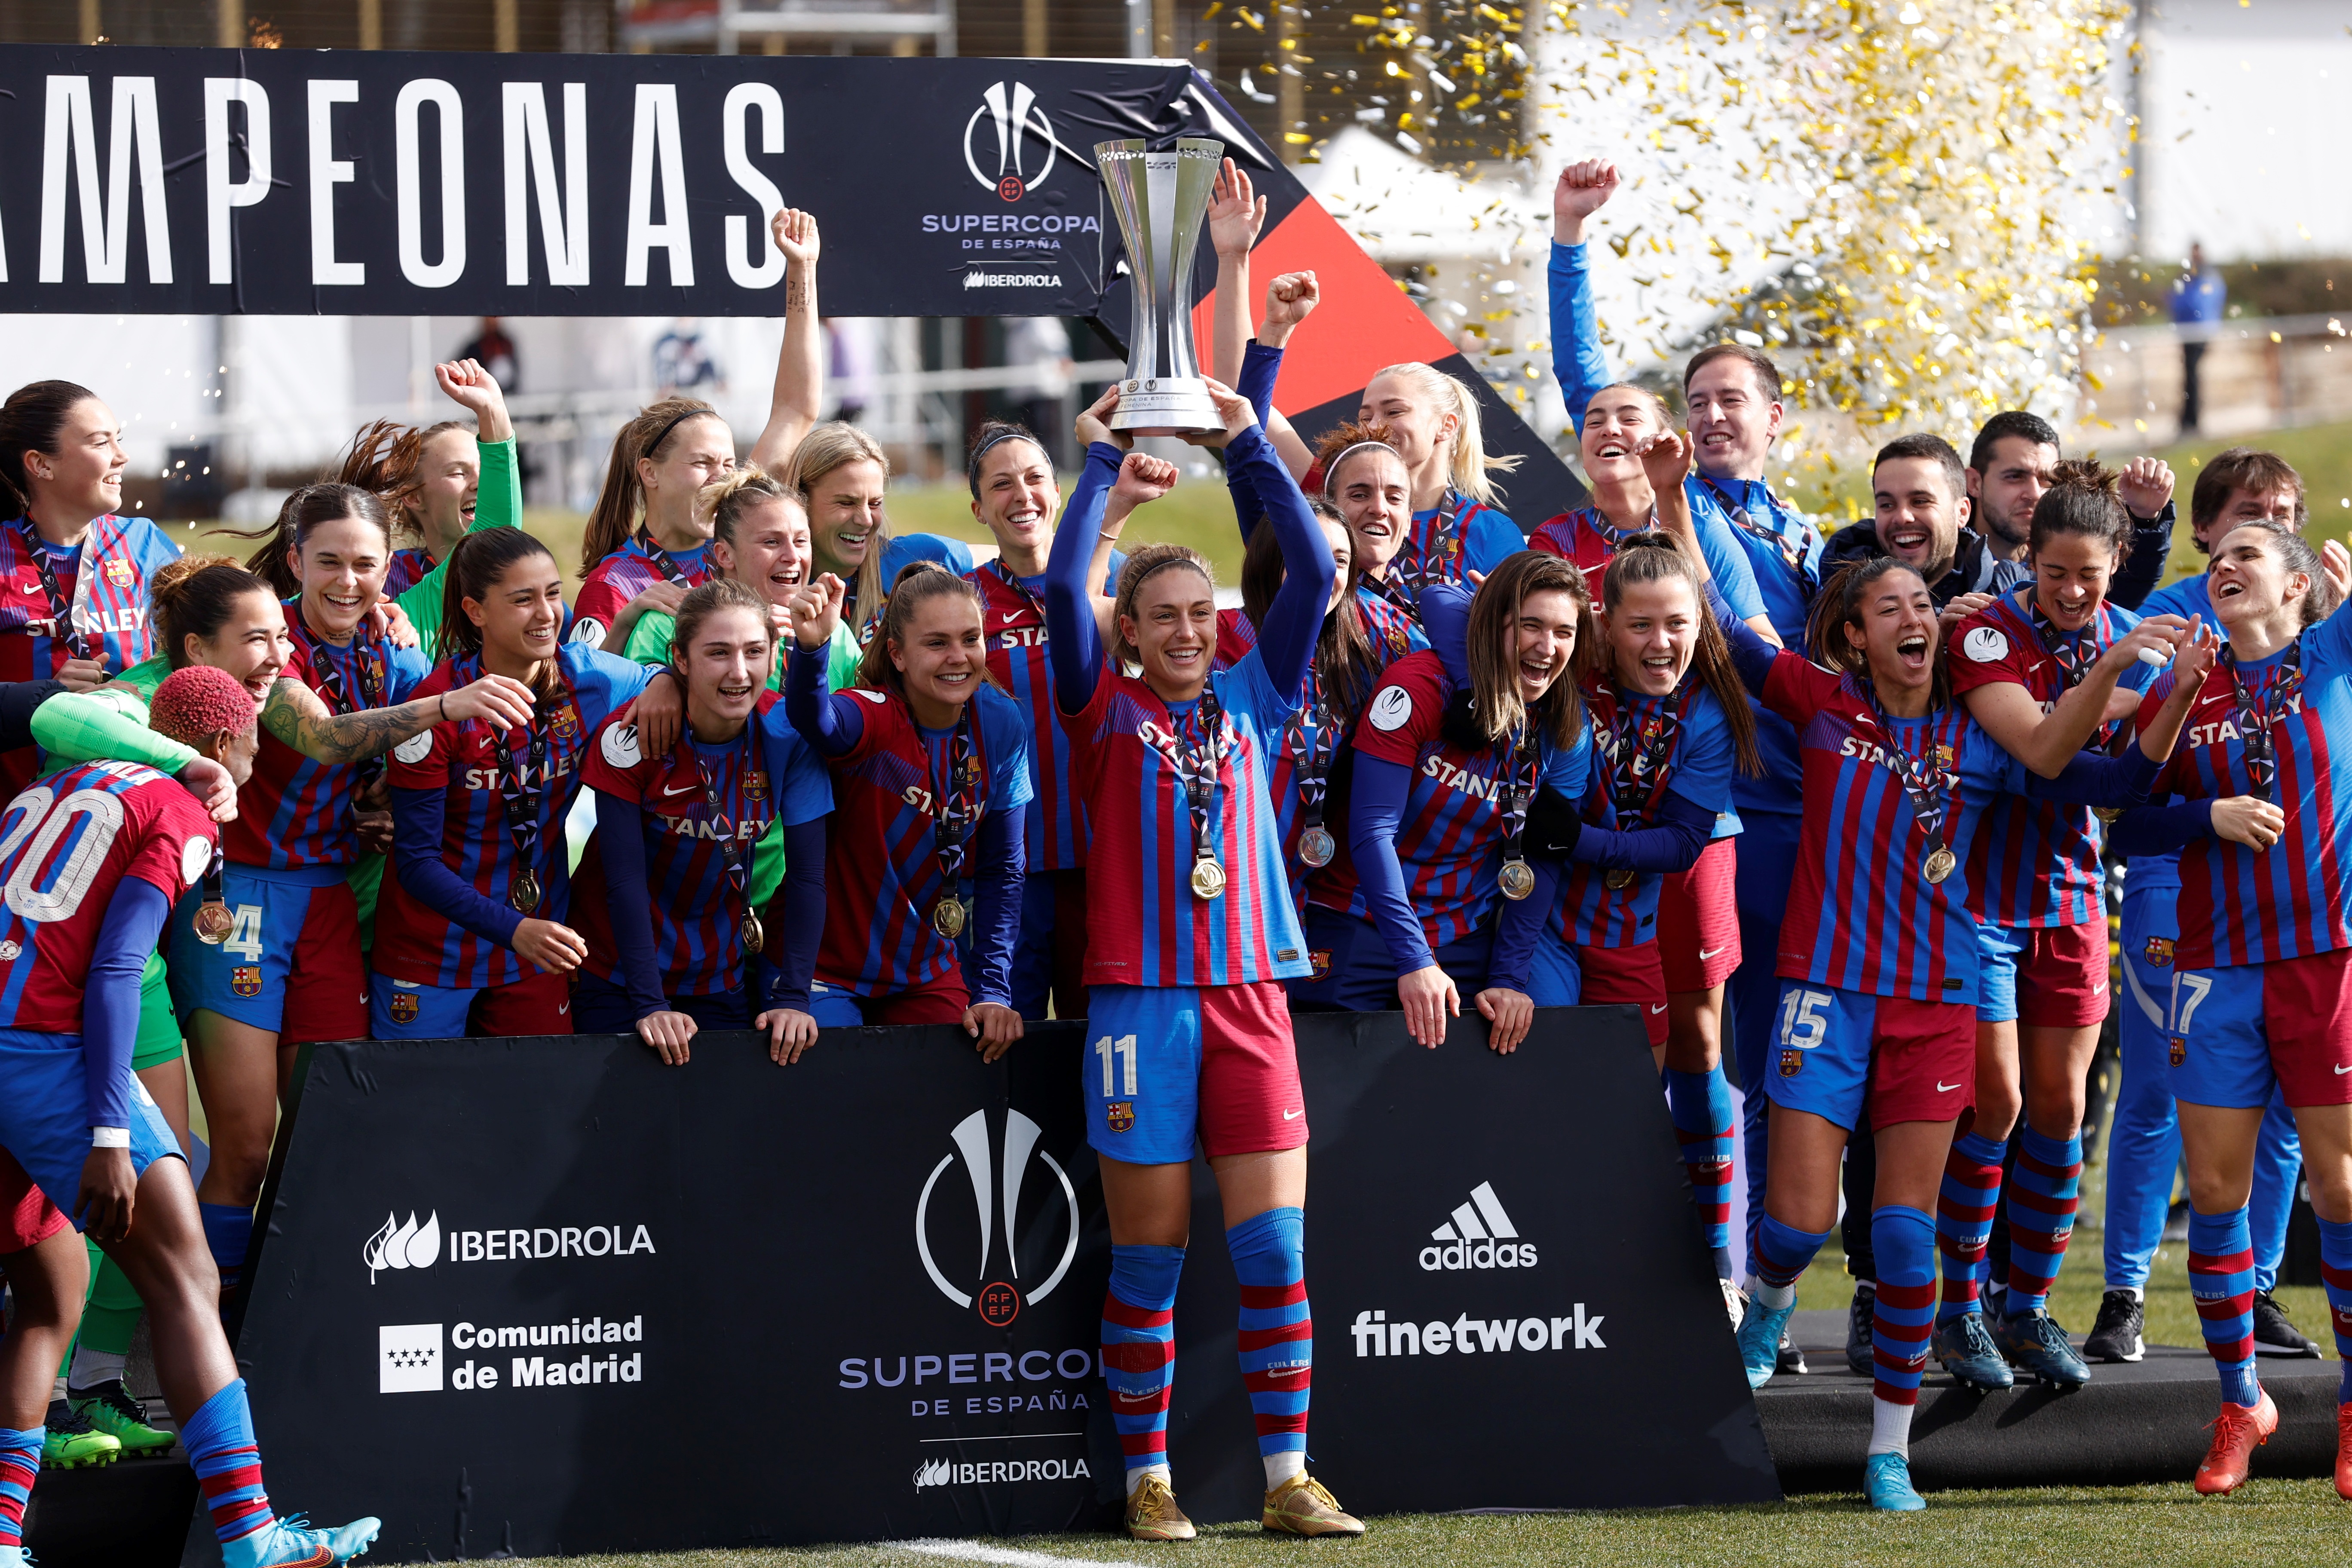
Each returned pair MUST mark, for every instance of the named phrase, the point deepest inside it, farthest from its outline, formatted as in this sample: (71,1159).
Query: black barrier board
(860,1298)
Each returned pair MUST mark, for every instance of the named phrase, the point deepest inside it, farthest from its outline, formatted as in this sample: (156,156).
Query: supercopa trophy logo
(395,1245)
(997,1176)
(1013,109)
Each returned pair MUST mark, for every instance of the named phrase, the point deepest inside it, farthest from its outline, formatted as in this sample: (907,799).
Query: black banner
(547,1296)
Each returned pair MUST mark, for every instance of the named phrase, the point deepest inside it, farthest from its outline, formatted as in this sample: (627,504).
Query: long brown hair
(918,583)
(194,596)
(1343,653)
(1656,557)
(480,559)
(305,510)
(1496,706)
(29,422)
(1141,567)
(1839,605)
(623,499)
(388,458)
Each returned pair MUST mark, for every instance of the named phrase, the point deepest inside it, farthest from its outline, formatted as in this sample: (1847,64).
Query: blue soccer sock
(1964,1219)
(2044,1191)
(2336,1273)
(1700,1106)
(20,1465)
(1139,1354)
(228,1233)
(2221,1278)
(1278,1336)
(1904,1242)
(1783,1253)
(227,1462)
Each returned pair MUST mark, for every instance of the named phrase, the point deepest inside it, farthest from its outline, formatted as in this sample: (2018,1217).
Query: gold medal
(213,924)
(755,936)
(1519,880)
(1619,879)
(522,895)
(1208,879)
(2107,813)
(947,918)
(1939,864)
(1315,846)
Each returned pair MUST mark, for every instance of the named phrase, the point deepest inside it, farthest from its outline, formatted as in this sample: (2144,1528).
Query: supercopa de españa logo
(1011,108)
(997,1174)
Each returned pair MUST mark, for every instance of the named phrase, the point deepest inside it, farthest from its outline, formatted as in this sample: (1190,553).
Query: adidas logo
(1478,1235)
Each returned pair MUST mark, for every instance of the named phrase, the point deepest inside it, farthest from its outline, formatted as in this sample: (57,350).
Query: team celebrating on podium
(1847,807)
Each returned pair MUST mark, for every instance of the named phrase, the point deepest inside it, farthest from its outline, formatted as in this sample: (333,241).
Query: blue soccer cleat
(2034,1342)
(1759,1339)
(292,1543)
(1887,1481)
(1964,1345)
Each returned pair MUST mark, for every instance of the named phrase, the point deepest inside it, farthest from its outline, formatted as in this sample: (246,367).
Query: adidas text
(1479,1234)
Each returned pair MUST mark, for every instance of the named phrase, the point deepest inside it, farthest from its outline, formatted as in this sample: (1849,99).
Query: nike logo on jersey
(2341,1071)
(1943,1087)
(1659,1009)
(1295,1115)
(679,789)
(1704,954)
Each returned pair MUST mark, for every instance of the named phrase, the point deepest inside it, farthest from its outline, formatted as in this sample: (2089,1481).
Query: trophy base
(1166,405)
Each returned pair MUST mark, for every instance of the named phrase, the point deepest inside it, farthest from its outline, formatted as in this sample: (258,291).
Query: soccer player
(2044,669)
(1431,419)
(494,502)
(843,472)
(1879,959)
(2014,459)
(73,573)
(1016,497)
(474,936)
(1451,749)
(2241,485)
(429,479)
(931,771)
(106,848)
(2259,997)
(1191,1027)
(676,942)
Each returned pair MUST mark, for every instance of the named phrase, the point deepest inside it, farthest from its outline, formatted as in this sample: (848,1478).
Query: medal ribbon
(330,677)
(713,813)
(1029,601)
(956,798)
(62,615)
(1643,762)
(1310,739)
(1925,784)
(2256,710)
(1522,793)
(522,802)
(670,569)
(1778,538)
(1430,561)
(2075,652)
(1199,766)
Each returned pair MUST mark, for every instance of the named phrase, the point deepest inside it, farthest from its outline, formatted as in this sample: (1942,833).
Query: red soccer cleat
(2238,1431)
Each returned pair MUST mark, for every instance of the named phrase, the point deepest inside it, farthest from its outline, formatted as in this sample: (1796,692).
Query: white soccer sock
(1890,1428)
(1281,1467)
(1142,1473)
(2137,1294)
(1773,1296)
(91,1368)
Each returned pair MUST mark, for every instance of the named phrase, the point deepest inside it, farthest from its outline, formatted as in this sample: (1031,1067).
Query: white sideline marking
(973,1552)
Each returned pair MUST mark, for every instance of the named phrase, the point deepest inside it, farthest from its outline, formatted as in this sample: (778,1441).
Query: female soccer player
(1191,1033)
(473,937)
(843,472)
(73,573)
(107,848)
(1016,497)
(677,941)
(428,478)
(1879,960)
(2039,669)
(930,768)
(1450,751)
(2259,994)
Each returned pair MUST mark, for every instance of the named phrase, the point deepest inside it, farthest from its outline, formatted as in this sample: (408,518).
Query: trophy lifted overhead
(1160,199)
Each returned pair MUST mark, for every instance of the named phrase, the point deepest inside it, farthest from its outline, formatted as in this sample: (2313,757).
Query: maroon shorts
(943,1000)
(326,983)
(538,1003)
(1923,1061)
(1698,920)
(1172,1064)
(27,1218)
(2062,976)
(1627,975)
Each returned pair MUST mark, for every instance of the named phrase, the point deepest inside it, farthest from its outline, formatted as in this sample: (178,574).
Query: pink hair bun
(196,703)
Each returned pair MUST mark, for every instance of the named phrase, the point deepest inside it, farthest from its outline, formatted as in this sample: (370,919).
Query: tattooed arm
(297,717)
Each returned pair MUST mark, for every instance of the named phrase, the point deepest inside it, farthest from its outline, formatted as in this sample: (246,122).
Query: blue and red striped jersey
(1449,842)
(1862,914)
(1586,538)
(295,813)
(65,845)
(1784,553)
(1690,728)
(1478,539)
(1157,933)
(2237,906)
(882,863)
(2033,862)
(103,583)
(697,917)
(408,569)
(1389,629)
(414,941)
(622,577)
(1012,616)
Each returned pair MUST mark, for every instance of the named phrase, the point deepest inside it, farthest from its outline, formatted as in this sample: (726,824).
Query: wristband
(109,1137)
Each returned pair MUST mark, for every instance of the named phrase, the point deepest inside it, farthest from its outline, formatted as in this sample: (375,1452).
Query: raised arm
(2147,490)
(799,393)
(1235,216)
(1074,642)
(1577,362)
(498,493)
(1294,619)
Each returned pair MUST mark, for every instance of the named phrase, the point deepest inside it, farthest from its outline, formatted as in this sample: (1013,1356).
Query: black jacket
(1977,570)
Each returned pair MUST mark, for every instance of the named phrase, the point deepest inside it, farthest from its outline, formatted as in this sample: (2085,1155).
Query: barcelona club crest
(2179,1052)
(246,980)
(403,1006)
(119,574)
(1792,1062)
(1319,963)
(2159,951)
(565,722)
(1122,1115)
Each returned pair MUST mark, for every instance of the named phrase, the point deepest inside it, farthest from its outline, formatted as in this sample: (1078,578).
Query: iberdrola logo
(398,1246)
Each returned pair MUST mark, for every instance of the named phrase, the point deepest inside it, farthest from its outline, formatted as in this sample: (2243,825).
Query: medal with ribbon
(671,571)
(1927,785)
(521,787)
(213,921)
(956,797)
(1197,768)
(1517,878)
(724,827)
(1309,739)
(330,677)
(2257,709)
(64,619)
(1437,560)
(1640,756)
(1792,555)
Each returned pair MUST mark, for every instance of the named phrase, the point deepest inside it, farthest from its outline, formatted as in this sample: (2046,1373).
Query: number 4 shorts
(1835,1053)
(1167,1064)
(291,963)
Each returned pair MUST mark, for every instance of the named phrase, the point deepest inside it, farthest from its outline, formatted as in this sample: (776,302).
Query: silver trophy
(1160,199)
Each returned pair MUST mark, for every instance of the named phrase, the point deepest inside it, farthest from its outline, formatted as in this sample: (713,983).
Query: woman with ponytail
(930,768)
(1432,421)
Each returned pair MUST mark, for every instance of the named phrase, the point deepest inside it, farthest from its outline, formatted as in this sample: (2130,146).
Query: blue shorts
(1355,973)
(1998,948)
(539,1004)
(45,1114)
(603,1008)
(2236,1033)
(1838,1053)
(1168,1065)
(291,963)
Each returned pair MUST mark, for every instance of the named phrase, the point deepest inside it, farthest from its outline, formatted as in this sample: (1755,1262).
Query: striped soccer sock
(1783,1253)
(227,1462)
(1903,1241)
(1278,1336)
(2336,1273)
(228,1233)
(1964,1211)
(2221,1278)
(20,1465)
(1139,1354)
(1700,1106)
(2044,1191)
